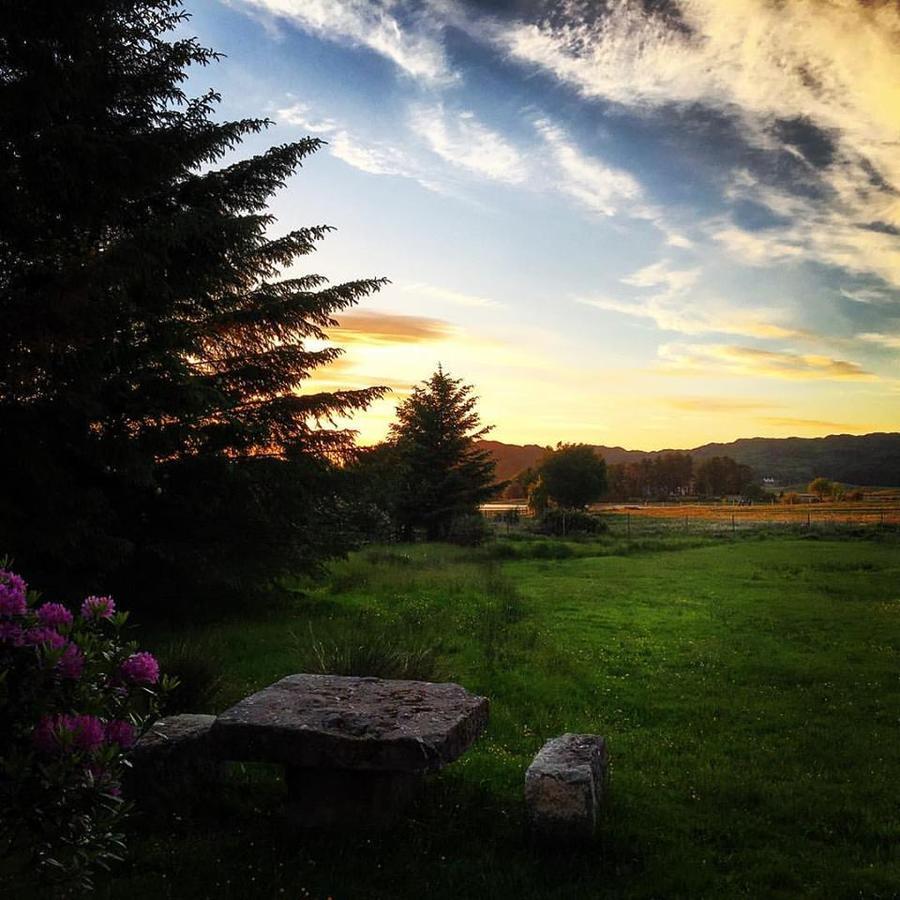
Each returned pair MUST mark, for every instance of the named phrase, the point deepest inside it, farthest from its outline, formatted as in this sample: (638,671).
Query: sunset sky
(653,224)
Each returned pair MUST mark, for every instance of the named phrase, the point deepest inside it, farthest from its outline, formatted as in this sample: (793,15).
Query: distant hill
(869,459)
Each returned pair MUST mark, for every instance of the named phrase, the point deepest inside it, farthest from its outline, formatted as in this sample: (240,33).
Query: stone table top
(342,722)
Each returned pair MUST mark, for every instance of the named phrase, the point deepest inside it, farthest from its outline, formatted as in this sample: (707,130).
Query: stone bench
(564,787)
(172,762)
(355,750)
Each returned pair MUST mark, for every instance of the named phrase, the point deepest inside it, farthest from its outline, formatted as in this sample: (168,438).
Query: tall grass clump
(367,651)
(198,668)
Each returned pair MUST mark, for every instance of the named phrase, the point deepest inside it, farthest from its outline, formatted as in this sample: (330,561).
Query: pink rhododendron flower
(71,663)
(12,594)
(120,732)
(98,608)
(11,634)
(46,636)
(141,668)
(53,615)
(80,732)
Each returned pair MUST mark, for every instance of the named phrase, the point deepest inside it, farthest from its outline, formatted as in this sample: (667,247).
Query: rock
(172,761)
(355,750)
(564,787)
(339,722)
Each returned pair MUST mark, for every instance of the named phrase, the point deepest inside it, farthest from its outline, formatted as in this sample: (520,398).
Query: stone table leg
(347,797)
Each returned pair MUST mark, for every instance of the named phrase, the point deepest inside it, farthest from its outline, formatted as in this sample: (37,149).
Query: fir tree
(441,474)
(150,405)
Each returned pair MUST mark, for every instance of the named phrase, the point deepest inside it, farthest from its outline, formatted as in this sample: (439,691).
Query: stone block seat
(355,750)
(564,787)
(172,762)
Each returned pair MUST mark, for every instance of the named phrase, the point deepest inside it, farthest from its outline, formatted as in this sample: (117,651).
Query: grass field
(749,691)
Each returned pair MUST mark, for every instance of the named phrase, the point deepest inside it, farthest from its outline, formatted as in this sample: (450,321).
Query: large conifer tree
(151,420)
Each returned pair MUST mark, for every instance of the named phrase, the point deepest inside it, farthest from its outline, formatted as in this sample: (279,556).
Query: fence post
(628,522)
(732,523)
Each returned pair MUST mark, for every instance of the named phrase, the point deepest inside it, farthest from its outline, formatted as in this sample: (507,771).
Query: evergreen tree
(441,474)
(150,409)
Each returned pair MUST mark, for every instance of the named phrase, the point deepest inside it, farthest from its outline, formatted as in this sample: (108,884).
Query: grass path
(750,693)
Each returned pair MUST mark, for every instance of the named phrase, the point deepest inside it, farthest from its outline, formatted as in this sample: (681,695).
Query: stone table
(354,749)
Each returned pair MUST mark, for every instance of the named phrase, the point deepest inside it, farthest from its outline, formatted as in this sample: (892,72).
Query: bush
(74,697)
(468,531)
(562,522)
(550,550)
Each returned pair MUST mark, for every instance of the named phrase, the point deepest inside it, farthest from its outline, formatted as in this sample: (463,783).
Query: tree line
(661,477)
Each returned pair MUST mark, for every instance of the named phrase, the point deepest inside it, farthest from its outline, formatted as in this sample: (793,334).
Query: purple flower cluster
(12,634)
(71,663)
(54,615)
(12,594)
(98,608)
(141,668)
(120,732)
(62,733)
(55,734)
(46,637)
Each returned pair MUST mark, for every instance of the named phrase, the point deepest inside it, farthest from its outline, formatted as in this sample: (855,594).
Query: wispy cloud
(725,359)
(373,157)
(718,404)
(890,341)
(375,327)
(461,140)
(601,188)
(411,39)
(811,424)
(423,289)
(675,306)
(783,70)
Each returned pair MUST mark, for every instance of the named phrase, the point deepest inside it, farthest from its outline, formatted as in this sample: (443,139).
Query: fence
(635,521)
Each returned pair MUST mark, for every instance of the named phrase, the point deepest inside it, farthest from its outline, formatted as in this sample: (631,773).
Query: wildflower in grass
(54,615)
(71,663)
(98,608)
(12,594)
(141,668)
(120,732)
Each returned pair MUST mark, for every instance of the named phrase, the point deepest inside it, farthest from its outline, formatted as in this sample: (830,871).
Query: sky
(647,223)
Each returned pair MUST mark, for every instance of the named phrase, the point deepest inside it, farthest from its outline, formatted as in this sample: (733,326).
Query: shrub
(468,531)
(562,522)
(74,697)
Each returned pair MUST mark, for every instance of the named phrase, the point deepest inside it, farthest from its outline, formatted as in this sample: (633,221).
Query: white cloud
(414,43)
(866,296)
(831,64)
(463,141)
(299,114)
(730,360)
(675,307)
(450,296)
(601,188)
(890,341)
(659,274)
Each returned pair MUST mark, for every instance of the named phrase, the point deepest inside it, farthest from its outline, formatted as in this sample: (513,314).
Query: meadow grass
(749,691)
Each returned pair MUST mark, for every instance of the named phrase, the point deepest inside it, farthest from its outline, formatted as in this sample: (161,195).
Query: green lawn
(749,691)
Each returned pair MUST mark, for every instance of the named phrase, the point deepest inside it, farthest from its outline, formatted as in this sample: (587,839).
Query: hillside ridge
(868,459)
